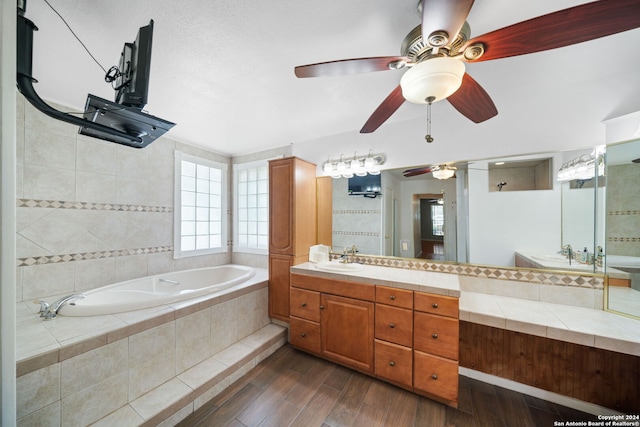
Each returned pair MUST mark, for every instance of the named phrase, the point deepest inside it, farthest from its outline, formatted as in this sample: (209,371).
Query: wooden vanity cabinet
(436,347)
(292,225)
(410,339)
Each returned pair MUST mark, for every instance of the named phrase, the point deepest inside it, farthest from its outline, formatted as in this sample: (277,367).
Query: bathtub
(153,291)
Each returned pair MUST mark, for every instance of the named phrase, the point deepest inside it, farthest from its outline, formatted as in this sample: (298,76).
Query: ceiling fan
(442,171)
(435,52)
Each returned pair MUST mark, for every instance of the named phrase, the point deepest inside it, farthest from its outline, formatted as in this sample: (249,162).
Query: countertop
(415,280)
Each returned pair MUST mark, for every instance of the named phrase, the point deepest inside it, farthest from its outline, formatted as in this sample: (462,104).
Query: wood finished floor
(292,388)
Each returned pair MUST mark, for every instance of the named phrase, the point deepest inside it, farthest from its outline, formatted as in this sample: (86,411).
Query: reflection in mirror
(622,225)
(481,222)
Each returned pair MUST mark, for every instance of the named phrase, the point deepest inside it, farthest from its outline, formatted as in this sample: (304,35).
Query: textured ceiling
(223,71)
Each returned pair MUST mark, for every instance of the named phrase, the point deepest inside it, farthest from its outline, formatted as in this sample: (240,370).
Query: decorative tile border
(61,204)
(356,212)
(356,233)
(623,239)
(631,212)
(84,256)
(557,278)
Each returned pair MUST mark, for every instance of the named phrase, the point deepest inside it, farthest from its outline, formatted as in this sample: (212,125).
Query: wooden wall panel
(603,377)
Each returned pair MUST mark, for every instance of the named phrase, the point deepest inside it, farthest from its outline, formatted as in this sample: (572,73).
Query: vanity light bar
(360,166)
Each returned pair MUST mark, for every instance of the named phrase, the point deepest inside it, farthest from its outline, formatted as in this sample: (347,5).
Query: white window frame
(236,210)
(177,211)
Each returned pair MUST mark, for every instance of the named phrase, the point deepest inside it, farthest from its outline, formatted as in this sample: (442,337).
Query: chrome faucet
(567,250)
(50,311)
(345,258)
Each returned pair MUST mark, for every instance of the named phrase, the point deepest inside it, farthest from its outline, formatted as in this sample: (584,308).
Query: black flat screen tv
(368,185)
(132,83)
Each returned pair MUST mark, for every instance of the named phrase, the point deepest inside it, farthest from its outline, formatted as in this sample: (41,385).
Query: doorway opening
(429,226)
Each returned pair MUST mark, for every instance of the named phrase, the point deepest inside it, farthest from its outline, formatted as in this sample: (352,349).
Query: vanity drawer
(305,304)
(394,324)
(304,334)
(394,296)
(436,376)
(436,335)
(394,363)
(436,304)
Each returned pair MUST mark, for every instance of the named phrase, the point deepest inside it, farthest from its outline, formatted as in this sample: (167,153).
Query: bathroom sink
(554,258)
(339,266)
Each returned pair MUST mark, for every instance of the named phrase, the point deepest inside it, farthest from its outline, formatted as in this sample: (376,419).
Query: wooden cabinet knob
(392,363)
(434,377)
(434,305)
(303,334)
(322,307)
(392,297)
(434,336)
(304,304)
(392,325)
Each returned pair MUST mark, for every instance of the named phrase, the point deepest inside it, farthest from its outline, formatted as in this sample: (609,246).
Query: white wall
(7,212)
(501,223)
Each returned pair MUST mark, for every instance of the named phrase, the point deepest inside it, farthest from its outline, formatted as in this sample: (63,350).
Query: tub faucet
(50,311)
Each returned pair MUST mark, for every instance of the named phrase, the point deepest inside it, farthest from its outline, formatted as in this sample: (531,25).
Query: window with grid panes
(251,223)
(200,214)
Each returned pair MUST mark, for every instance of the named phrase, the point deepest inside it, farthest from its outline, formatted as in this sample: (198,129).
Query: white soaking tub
(153,291)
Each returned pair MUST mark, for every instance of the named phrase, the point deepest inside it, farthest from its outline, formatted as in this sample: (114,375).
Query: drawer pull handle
(304,304)
(434,305)
(392,325)
(434,336)
(392,297)
(322,307)
(304,334)
(434,377)
(392,363)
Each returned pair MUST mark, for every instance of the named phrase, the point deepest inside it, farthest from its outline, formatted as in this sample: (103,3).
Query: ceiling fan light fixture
(435,77)
(443,172)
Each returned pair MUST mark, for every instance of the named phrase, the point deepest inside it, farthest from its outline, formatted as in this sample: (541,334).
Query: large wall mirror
(500,212)
(623,227)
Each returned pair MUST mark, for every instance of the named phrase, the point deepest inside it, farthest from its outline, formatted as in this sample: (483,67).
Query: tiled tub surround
(91,213)
(140,368)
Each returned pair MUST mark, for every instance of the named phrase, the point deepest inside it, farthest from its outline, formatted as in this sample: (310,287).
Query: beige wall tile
(37,390)
(95,188)
(193,339)
(92,404)
(47,279)
(579,297)
(48,183)
(224,325)
(154,402)
(96,156)
(131,267)
(124,416)
(94,273)
(524,290)
(90,368)
(49,149)
(48,416)
(152,359)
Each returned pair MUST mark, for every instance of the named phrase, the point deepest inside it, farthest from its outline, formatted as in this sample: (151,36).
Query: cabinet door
(281,206)
(279,286)
(347,328)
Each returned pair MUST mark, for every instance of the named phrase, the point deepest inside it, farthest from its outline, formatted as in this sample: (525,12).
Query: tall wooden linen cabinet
(292,225)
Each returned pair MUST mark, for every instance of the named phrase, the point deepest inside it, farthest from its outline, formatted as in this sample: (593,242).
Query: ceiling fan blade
(562,28)
(444,15)
(417,171)
(472,101)
(350,66)
(384,111)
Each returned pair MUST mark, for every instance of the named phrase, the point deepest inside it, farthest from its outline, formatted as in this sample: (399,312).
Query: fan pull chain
(428,136)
